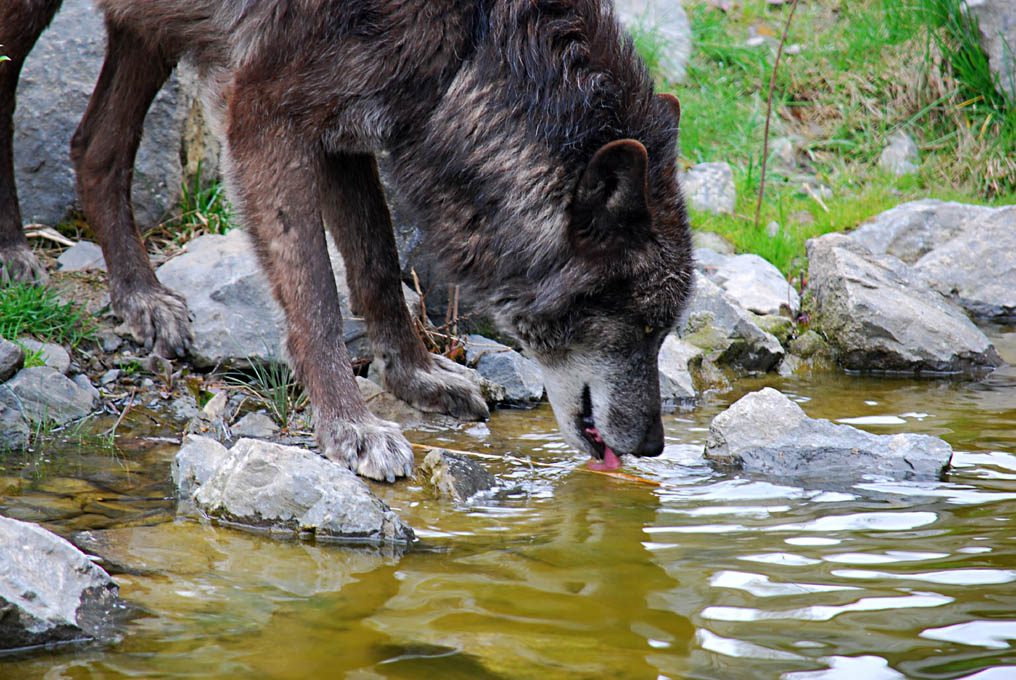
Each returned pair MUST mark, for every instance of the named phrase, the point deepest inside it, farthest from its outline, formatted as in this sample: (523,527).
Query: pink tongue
(610,460)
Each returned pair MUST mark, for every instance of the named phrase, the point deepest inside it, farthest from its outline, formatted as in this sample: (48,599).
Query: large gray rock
(662,25)
(710,187)
(14,432)
(46,395)
(881,316)
(977,268)
(50,591)
(677,388)
(55,86)
(522,378)
(51,354)
(12,358)
(234,316)
(194,464)
(284,489)
(766,433)
(996,21)
(757,285)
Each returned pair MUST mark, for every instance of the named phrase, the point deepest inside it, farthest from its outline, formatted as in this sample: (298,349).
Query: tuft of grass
(272,384)
(32,357)
(204,209)
(33,310)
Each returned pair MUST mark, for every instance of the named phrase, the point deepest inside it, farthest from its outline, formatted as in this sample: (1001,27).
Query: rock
(677,389)
(996,22)
(110,376)
(45,395)
(56,84)
(810,344)
(109,340)
(52,355)
(718,325)
(256,425)
(82,381)
(900,156)
(663,24)
(776,325)
(710,187)
(911,230)
(880,316)
(708,260)
(235,317)
(455,476)
(783,154)
(12,358)
(286,489)
(14,432)
(194,464)
(522,378)
(757,285)
(765,432)
(977,268)
(50,591)
(82,256)
(712,241)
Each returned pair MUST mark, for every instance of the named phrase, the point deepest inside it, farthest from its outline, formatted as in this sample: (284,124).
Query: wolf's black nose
(652,443)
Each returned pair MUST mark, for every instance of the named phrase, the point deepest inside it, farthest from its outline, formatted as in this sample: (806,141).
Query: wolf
(526,135)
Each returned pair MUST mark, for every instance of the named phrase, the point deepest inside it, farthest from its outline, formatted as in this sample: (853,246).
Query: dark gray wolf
(525,133)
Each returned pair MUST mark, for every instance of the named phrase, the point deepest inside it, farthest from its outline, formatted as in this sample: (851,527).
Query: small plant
(273,385)
(32,357)
(32,310)
(203,210)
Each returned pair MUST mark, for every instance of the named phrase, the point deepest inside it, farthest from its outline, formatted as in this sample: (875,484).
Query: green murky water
(575,575)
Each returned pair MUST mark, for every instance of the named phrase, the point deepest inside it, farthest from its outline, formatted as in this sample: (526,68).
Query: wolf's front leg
(356,214)
(276,187)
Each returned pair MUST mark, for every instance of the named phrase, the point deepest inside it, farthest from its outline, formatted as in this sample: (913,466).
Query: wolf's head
(597,324)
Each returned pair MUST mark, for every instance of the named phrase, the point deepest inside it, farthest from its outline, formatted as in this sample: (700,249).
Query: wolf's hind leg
(21,23)
(276,188)
(103,150)
(355,212)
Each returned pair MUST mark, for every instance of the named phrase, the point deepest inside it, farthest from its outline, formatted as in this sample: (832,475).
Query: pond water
(700,574)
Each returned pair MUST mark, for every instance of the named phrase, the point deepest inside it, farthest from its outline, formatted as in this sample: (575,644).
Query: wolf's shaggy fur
(526,135)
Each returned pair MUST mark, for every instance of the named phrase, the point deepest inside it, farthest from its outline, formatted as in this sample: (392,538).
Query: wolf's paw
(373,448)
(444,387)
(158,319)
(18,264)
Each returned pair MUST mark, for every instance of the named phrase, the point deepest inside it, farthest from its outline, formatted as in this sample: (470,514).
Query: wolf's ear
(673,105)
(611,203)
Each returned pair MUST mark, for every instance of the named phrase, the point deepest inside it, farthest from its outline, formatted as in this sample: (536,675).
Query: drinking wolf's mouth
(604,457)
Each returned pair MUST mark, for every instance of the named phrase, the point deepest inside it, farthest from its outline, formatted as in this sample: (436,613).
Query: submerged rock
(881,316)
(767,433)
(44,394)
(281,489)
(455,476)
(522,378)
(50,591)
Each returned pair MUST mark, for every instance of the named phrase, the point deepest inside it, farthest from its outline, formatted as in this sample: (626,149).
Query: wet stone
(454,475)
(12,358)
(522,378)
(44,394)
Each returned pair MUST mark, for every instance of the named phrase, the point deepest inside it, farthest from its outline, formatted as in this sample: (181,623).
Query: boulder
(282,489)
(996,22)
(677,389)
(56,84)
(663,27)
(757,285)
(455,476)
(46,395)
(50,592)
(766,433)
(881,316)
(710,187)
(234,316)
(522,378)
(12,358)
(900,156)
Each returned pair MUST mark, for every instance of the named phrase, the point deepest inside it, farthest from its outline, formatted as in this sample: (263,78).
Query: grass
(33,310)
(271,384)
(864,70)
(204,209)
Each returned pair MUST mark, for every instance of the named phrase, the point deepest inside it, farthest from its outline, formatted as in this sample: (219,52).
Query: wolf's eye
(649,330)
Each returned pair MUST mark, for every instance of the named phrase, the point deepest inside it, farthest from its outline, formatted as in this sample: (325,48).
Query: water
(575,575)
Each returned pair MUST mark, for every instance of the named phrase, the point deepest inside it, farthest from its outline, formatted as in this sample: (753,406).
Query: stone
(82,256)
(900,156)
(110,376)
(192,466)
(46,395)
(783,154)
(12,358)
(977,268)
(52,355)
(709,187)
(287,490)
(256,425)
(996,22)
(677,389)
(109,340)
(809,344)
(712,241)
(757,285)
(780,327)
(14,432)
(50,592)
(766,433)
(55,86)
(522,378)
(881,316)
(82,381)
(666,25)
(454,475)
(234,317)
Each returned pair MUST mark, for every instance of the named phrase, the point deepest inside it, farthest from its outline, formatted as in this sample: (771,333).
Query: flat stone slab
(766,433)
(284,489)
(50,591)
(44,394)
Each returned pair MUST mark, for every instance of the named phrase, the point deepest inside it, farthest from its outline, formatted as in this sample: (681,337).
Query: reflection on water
(704,575)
